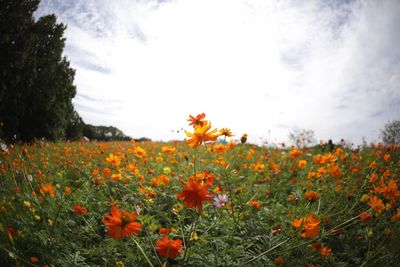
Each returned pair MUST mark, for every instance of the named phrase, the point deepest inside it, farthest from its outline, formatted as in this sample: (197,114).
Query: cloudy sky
(264,67)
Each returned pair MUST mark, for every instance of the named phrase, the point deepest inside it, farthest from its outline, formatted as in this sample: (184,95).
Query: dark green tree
(36,81)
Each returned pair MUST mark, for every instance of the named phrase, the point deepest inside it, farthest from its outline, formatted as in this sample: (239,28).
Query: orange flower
(365,216)
(121,224)
(198,120)
(325,251)
(34,259)
(165,231)
(47,188)
(79,210)
(114,160)
(194,193)
(302,164)
(311,196)
(389,191)
(279,261)
(255,203)
(169,248)
(377,204)
(201,135)
(310,226)
(226,132)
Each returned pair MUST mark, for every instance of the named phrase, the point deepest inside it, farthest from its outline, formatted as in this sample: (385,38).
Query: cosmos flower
(169,248)
(198,120)
(201,135)
(121,224)
(220,200)
(194,193)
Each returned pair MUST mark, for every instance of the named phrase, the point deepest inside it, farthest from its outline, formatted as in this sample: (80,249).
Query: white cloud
(261,67)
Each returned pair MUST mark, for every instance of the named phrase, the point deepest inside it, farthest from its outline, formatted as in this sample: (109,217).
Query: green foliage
(391,133)
(36,81)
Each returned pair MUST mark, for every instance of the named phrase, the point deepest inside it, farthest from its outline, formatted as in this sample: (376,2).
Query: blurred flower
(311,196)
(254,203)
(365,217)
(169,248)
(47,188)
(34,259)
(201,135)
(225,132)
(198,120)
(376,204)
(27,204)
(194,193)
(79,210)
(243,139)
(220,200)
(121,224)
(310,226)
(325,251)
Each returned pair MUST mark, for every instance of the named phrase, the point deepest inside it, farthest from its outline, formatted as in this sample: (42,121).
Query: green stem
(142,251)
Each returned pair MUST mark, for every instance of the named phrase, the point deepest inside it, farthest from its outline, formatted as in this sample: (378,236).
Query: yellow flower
(201,135)
(27,204)
(50,222)
(37,217)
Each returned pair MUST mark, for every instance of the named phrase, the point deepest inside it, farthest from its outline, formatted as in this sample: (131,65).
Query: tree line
(36,80)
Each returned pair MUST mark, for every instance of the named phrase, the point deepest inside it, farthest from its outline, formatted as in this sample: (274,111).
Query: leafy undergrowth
(203,203)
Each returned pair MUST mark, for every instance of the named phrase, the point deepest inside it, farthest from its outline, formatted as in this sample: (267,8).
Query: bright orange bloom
(47,188)
(226,132)
(121,224)
(194,193)
(79,210)
(165,231)
(169,248)
(198,120)
(168,150)
(255,203)
(302,164)
(114,160)
(389,191)
(310,226)
(377,204)
(325,251)
(311,196)
(201,135)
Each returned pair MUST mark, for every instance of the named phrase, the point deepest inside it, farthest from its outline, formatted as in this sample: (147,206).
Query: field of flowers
(214,200)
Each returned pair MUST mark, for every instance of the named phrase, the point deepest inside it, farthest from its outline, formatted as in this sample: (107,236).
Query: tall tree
(36,81)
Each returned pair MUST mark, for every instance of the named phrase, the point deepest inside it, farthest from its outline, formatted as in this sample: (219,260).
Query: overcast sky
(264,67)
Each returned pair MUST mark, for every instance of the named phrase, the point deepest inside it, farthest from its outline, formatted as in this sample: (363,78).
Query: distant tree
(303,138)
(391,133)
(36,81)
(104,133)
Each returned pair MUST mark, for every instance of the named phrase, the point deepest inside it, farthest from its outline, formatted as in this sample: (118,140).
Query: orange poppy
(194,193)
(169,248)
(121,224)
(201,135)
(325,251)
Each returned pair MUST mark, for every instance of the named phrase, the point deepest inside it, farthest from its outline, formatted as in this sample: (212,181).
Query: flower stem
(141,250)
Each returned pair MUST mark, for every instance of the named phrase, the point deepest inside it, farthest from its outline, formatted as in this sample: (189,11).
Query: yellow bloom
(201,135)
(27,204)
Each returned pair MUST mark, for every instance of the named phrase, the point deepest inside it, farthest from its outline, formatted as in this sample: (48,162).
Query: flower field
(212,200)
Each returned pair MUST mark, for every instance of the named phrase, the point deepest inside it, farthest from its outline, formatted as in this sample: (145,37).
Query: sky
(262,67)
